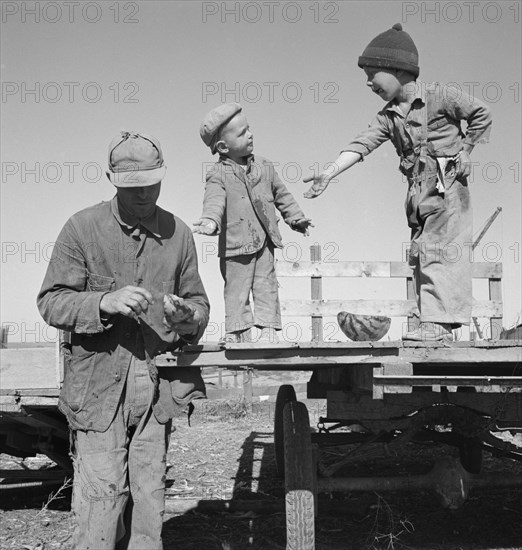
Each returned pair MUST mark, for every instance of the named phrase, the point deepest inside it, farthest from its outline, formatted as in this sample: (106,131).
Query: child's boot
(268,336)
(430,332)
(230,338)
(246,337)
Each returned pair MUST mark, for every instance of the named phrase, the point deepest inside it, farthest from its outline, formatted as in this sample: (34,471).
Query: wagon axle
(450,481)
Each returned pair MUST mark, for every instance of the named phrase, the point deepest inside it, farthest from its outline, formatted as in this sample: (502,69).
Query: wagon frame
(387,391)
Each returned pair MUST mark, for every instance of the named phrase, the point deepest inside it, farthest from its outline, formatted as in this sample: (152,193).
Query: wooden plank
(461,355)
(389,308)
(41,392)
(43,422)
(9,403)
(391,372)
(308,358)
(332,269)
(350,406)
(307,308)
(272,390)
(429,380)
(32,474)
(22,368)
(324,347)
(480,270)
(286,359)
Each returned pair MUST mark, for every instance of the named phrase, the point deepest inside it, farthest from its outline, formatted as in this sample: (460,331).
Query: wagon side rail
(317,308)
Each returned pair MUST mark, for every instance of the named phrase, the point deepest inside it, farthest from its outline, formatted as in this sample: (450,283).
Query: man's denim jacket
(97,252)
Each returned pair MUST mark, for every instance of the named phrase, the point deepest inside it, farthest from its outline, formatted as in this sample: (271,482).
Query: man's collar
(151,223)
(420,95)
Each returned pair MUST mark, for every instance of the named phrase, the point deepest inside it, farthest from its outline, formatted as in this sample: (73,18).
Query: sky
(76,73)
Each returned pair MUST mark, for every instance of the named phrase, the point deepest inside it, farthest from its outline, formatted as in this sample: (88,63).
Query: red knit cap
(393,49)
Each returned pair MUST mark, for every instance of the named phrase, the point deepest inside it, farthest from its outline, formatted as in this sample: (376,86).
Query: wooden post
(487,225)
(4,333)
(413,321)
(495,293)
(411,294)
(316,294)
(247,387)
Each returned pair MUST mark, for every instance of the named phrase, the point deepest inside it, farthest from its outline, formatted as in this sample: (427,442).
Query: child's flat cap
(214,120)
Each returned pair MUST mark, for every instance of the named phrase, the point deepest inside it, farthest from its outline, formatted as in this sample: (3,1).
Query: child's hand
(179,316)
(464,164)
(302,225)
(320,183)
(205,226)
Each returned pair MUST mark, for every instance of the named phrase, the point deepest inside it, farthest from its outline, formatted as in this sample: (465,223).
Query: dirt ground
(228,452)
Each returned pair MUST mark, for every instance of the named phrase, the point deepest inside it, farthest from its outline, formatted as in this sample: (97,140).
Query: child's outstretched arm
(364,143)
(320,182)
(285,202)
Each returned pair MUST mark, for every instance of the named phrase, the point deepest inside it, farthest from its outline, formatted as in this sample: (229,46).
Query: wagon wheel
(300,482)
(285,394)
(470,449)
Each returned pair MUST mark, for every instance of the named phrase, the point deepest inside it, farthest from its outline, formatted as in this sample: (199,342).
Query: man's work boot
(430,332)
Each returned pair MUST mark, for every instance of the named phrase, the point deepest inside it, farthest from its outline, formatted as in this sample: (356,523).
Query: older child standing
(241,196)
(423,123)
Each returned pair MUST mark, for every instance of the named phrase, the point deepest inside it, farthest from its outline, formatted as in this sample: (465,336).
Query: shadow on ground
(489,519)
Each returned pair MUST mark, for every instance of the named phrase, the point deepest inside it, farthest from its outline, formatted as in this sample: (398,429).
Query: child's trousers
(251,273)
(440,253)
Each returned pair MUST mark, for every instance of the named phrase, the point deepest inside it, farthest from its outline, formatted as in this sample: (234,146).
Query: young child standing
(423,123)
(242,193)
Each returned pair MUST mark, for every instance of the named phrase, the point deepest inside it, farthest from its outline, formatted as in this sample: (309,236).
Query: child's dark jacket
(243,205)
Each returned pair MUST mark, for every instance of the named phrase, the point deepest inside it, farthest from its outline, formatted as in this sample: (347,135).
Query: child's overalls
(439,214)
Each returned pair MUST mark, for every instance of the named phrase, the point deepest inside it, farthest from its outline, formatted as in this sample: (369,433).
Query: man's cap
(135,160)
(392,49)
(215,120)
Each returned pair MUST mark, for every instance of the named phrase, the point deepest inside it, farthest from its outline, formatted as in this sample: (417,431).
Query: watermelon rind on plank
(360,328)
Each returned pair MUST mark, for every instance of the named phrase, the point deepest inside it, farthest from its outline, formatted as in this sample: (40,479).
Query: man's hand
(180,316)
(302,225)
(320,183)
(205,226)
(130,301)
(464,164)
